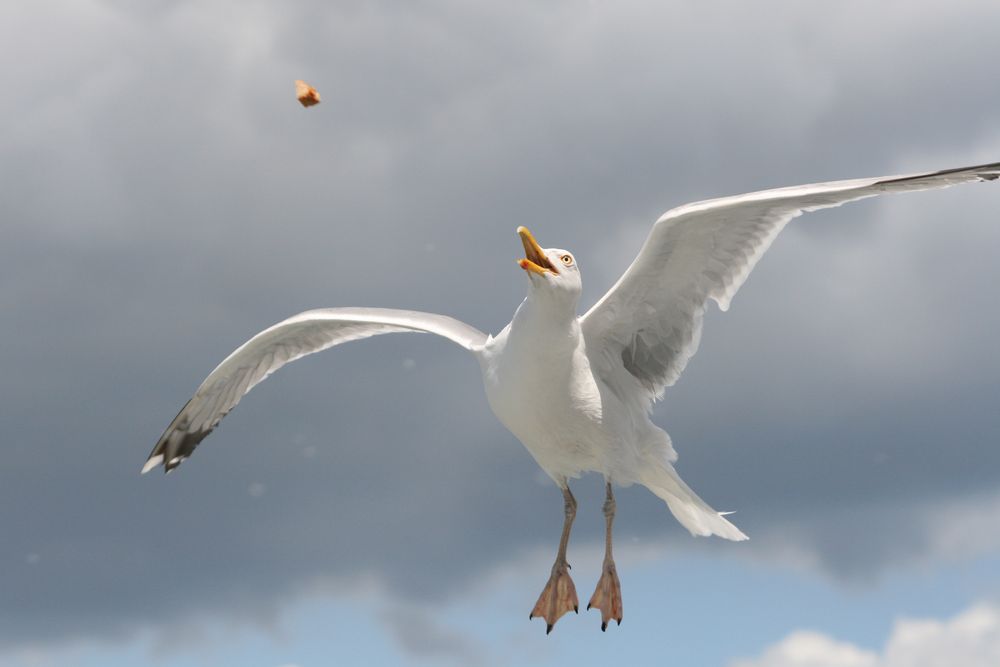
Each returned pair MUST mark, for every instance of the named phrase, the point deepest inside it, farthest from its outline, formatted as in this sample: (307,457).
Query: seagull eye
(567,260)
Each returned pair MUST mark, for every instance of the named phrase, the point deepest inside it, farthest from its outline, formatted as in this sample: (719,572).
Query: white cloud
(812,649)
(971,639)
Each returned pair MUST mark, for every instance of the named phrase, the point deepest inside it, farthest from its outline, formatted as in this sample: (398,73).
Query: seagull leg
(559,594)
(608,594)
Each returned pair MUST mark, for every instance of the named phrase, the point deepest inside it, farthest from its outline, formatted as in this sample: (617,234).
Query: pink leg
(608,595)
(559,594)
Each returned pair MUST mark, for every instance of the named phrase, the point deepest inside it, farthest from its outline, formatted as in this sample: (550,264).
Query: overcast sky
(166,198)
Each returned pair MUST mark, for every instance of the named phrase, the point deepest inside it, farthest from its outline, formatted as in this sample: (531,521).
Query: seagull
(576,391)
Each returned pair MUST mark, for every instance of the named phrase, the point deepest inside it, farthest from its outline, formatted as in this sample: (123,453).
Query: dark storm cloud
(174,199)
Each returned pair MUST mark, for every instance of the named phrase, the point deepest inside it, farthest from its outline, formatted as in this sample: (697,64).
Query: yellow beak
(534,260)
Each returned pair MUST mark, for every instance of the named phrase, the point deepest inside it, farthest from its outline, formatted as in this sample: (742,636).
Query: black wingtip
(987,175)
(178,441)
(604,626)
(548,628)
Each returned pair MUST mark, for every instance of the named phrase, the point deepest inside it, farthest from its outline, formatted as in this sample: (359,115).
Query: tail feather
(691,511)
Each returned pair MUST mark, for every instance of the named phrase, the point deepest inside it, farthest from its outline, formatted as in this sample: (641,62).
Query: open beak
(534,260)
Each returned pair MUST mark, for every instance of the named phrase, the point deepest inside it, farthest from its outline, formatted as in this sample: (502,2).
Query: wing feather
(650,322)
(291,339)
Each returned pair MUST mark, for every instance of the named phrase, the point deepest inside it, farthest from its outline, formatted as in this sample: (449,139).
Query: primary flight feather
(576,391)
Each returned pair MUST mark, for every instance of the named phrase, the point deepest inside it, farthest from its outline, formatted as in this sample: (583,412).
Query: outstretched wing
(650,321)
(302,334)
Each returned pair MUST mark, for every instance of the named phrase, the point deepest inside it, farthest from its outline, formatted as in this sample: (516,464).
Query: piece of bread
(307,95)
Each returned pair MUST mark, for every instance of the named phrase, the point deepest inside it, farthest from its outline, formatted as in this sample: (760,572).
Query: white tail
(693,512)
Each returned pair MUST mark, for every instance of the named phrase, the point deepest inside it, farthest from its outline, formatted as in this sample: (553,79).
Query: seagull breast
(540,386)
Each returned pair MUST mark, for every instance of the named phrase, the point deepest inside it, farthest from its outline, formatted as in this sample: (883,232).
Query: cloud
(858,544)
(417,633)
(970,639)
(174,199)
(812,649)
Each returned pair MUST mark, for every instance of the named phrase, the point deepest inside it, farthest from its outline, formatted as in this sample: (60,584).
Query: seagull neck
(548,313)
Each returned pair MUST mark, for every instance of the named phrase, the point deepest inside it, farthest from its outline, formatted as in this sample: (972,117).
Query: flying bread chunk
(307,95)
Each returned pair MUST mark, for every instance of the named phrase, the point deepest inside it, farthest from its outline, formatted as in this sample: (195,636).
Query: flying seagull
(576,391)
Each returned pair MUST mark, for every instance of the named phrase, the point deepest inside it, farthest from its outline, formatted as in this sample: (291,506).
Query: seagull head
(551,271)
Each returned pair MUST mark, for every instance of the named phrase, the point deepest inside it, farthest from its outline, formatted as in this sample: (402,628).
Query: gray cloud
(421,637)
(173,199)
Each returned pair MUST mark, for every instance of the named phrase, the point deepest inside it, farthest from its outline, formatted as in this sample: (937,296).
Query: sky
(167,198)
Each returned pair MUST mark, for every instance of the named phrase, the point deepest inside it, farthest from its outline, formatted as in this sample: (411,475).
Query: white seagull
(576,391)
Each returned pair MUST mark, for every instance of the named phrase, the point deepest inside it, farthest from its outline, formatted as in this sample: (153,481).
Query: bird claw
(557,598)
